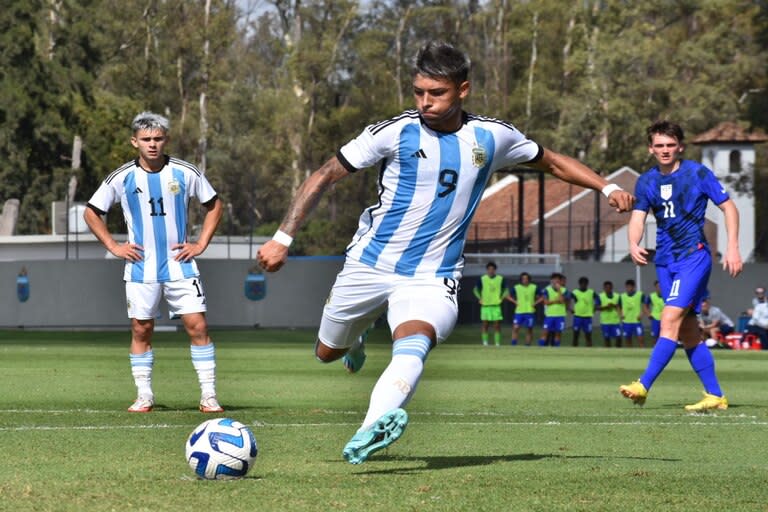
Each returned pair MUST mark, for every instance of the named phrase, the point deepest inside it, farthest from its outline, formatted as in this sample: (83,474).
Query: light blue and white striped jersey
(430,185)
(155,209)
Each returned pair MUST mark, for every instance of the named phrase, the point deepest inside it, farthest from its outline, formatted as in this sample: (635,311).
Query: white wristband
(609,189)
(283,238)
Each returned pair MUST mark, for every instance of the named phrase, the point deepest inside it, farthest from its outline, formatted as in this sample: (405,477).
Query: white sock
(398,382)
(141,369)
(204,362)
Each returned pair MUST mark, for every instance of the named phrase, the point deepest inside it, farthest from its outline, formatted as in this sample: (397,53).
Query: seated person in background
(758,324)
(757,299)
(713,322)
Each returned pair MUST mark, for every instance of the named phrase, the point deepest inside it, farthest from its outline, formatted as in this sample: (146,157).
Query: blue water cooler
(255,286)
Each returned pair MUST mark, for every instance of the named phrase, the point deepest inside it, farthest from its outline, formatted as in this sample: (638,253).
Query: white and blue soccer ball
(221,449)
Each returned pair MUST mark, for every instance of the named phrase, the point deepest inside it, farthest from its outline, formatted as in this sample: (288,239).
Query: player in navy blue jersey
(677,192)
(406,257)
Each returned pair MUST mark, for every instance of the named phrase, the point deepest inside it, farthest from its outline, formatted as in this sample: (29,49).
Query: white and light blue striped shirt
(430,185)
(155,209)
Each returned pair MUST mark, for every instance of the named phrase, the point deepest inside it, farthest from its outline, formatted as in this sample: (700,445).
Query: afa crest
(479,156)
(174,187)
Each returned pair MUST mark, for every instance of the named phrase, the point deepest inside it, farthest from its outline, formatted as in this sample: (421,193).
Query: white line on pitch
(489,414)
(258,424)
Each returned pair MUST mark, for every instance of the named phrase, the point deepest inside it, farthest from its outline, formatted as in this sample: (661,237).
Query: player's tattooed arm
(274,253)
(309,194)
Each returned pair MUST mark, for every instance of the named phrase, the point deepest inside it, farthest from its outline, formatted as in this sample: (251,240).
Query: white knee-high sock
(141,369)
(398,382)
(204,361)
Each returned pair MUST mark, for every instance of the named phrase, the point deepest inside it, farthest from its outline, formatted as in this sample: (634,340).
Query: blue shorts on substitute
(554,323)
(632,329)
(582,324)
(525,320)
(683,283)
(655,327)
(611,330)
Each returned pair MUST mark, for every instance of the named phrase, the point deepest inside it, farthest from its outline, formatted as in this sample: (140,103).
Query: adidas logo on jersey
(137,191)
(419,154)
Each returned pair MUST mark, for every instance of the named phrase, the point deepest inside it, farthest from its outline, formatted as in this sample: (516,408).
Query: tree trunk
(202,147)
(532,68)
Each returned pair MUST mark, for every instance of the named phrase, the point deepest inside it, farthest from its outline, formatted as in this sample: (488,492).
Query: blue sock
(703,364)
(661,355)
(542,342)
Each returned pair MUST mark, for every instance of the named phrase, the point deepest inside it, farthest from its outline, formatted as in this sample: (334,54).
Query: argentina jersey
(430,185)
(155,209)
(679,202)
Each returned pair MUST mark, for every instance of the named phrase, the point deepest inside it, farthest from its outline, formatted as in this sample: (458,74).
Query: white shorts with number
(183,297)
(361,294)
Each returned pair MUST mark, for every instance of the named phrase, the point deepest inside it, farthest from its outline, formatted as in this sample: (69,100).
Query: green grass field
(492,429)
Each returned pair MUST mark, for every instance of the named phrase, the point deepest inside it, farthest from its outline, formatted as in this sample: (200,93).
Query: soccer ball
(221,449)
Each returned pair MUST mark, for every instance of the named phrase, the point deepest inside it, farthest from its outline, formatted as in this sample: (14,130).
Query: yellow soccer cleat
(635,392)
(707,403)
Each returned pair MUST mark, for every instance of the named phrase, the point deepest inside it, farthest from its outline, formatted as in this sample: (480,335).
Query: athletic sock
(141,369)
(398,382)
(513,342)
(703,364)
(484,338)
(204,362)
(497,338)
(542,342)
(661,355)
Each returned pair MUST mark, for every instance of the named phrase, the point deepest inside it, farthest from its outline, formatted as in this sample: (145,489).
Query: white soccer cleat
(142,404)
(208,404)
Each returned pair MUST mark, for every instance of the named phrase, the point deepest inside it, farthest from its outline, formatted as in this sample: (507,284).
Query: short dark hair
(438,59)
(584,279)
(606,283)
(629,282)
(664,127)
(524,274)
(490,264)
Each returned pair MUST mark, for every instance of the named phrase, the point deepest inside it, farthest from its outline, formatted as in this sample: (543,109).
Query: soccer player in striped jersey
(677,191)
(406,256)
(154,192)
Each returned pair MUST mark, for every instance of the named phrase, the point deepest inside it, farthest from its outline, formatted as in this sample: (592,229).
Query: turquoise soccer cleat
(355,358)
(385,431)
(354,361)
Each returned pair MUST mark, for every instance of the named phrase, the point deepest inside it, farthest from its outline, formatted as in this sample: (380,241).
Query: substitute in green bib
(631,309)
(555,300)
(610,314)
(584,301)
(653,305)
(491,291)
(523,296)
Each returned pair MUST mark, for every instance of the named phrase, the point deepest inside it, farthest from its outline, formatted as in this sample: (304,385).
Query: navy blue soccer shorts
(683,283)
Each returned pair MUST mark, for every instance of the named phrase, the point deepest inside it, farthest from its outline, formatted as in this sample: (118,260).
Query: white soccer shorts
(361,294)
(183,297)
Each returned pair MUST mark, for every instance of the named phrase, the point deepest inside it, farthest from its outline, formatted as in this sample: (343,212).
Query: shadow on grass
(459,461)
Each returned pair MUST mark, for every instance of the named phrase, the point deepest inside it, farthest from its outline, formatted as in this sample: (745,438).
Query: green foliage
(286,86)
